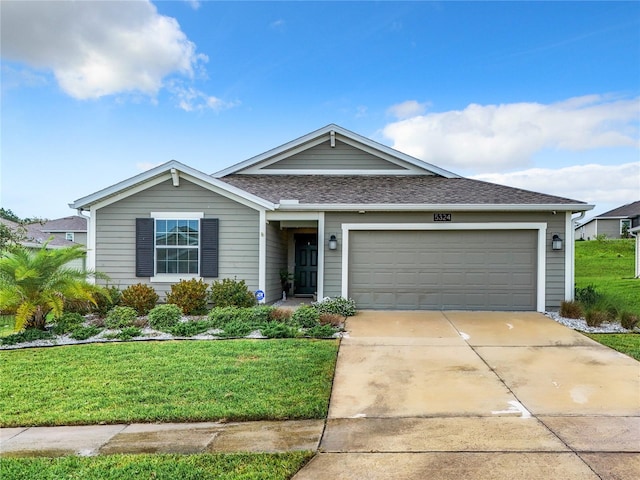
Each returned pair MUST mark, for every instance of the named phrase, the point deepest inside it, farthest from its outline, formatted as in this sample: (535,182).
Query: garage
(443,269)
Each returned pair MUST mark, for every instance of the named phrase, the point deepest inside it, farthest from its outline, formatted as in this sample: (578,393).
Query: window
(625,225)
(69,236)
(177,244)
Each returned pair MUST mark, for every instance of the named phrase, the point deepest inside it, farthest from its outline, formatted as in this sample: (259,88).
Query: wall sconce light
(556,242)
(333,242)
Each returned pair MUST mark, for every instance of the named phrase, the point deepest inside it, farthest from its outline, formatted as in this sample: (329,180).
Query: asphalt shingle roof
(629,210)
(359,189)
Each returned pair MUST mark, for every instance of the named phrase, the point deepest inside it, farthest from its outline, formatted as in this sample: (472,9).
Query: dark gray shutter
(209,247)
(144,247)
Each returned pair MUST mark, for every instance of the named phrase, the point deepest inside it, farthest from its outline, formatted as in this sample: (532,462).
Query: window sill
(174,278)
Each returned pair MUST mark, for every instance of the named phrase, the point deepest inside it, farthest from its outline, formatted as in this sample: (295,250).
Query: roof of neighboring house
(36,236)
(74,223)
(414,189)
(630,210)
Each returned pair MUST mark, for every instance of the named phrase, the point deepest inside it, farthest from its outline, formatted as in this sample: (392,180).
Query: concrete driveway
(479,395)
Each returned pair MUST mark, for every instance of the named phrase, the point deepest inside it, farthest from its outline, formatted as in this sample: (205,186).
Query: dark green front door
(306,272)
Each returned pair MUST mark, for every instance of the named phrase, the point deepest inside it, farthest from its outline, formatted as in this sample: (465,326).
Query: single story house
(346,216)
(615,223)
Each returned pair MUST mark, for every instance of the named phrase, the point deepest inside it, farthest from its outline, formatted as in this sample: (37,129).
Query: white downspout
(91,243)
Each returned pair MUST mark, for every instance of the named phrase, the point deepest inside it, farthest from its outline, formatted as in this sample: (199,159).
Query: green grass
(169,381)
(609,266)
(627,343)
(257,466)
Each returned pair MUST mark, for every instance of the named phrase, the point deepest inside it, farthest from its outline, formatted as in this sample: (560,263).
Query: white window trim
(70,236)
(174,277)
(623,221)
(541,254)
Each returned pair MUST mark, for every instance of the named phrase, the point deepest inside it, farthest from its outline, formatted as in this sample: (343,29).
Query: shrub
(121,317)
(78,306)
(231,293)
(67,323)
(337,305)
(595,318)
(331,319)
(140,297)
(571,309)
(190,296)
(628,320)
(279,330)
(82,333)
(189,329)
(163,317)
(281,315)
(108,298)
(260,314)
(306,316)
(129,333)
(321,331)
(587,296)
(237,328)
(28,335)
(220,316)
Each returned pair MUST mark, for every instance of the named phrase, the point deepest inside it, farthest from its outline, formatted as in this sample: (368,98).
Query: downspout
(571,265)
(90,260)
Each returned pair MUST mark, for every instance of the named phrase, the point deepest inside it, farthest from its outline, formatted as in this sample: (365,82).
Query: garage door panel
(469,270)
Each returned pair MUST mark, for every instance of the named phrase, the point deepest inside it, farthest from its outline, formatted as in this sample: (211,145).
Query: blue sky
(538,95)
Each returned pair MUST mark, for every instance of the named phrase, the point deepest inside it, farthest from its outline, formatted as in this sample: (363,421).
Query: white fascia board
(161,174)
(280,215)
(349,137)
(435,207)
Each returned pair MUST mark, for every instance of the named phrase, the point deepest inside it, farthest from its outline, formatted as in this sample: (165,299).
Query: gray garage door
(443,270)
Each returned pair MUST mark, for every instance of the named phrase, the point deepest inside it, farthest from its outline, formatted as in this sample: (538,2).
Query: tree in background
(34,283)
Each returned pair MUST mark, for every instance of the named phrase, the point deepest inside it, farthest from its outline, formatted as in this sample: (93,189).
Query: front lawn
(171,381)
(609,266)
(256,466)
(627,343)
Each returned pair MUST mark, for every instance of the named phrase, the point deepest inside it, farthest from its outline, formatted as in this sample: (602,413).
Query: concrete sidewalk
(162,438)
(451,395)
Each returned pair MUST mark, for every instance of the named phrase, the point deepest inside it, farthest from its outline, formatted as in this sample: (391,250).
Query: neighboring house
(349,217)
(59,233)
(611,223)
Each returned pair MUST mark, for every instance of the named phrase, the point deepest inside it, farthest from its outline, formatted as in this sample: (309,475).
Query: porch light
(556,242)
(333,242)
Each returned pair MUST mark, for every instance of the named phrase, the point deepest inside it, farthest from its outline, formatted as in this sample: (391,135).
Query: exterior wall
(115,232)
(80,237)
(276,260)
(555,260)
(342,156)
(611,228)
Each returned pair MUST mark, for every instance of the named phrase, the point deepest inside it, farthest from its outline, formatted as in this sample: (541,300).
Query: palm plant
(36,283)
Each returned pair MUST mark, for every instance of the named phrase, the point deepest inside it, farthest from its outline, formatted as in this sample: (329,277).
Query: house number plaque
(441,217)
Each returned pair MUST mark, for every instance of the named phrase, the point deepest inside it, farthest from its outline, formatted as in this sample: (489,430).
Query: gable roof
(630,210)
(335,191)
(171,170)
(332,133)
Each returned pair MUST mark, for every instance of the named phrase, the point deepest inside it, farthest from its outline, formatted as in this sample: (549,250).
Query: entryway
(306,266)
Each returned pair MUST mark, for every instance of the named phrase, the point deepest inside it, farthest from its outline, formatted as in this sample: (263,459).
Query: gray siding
(342,157)
(611,228)
(115,232)
(555,274)
(276,260)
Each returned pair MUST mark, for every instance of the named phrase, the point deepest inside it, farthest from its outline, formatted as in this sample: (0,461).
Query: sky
(538,95)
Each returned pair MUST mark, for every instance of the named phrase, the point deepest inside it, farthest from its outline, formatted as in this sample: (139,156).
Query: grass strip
(245,466)
(171,381)
(627,343)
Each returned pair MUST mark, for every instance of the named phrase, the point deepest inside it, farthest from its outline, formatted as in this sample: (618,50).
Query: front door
(306,271)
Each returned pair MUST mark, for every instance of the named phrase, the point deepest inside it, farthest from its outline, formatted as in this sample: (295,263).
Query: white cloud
(98,48)
(606,186)
(407,109)
(277,24)
(483,137)
(190,99)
